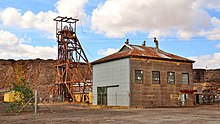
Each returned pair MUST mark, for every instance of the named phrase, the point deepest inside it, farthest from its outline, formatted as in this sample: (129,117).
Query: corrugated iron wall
(115,76)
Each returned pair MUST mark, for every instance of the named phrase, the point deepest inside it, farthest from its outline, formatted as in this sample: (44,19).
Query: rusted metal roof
(137,51)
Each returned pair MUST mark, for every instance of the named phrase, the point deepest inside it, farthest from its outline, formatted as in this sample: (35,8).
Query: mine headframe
(73,70)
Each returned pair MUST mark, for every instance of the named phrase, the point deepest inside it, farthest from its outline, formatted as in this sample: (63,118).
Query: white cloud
(14,48)
(43,21)
(182,18)
(213,4)
(207,61)
(214,33)
(218,46)
(72,8)
(107,52)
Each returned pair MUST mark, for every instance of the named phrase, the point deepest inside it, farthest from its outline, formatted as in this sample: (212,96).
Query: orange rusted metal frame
(73,67)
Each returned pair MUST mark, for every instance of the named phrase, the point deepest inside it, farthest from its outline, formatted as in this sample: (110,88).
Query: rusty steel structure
(73,70)
(208,84)
(211,93)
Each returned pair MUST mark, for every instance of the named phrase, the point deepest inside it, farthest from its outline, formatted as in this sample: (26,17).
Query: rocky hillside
(40,73)
(203,75)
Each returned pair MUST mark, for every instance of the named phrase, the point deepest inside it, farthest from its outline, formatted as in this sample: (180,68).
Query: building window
(155,77)
(170,77)
(185,78)
(139,75)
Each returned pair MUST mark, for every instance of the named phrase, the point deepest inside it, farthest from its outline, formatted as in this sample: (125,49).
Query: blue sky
(189,28)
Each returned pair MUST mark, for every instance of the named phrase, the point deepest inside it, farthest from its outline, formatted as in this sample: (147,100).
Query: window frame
(172,76)
(139,73)
(183,81)
(155,81)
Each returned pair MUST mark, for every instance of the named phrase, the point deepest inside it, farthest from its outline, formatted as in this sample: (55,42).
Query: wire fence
(153,101)
(118,100)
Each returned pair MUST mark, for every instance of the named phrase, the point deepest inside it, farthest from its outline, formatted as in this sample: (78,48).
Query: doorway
(102,95)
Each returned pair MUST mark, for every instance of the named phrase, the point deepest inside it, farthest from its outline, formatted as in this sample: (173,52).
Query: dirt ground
(76,114)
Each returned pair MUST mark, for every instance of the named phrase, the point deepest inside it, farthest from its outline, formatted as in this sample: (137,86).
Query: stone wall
(163,94)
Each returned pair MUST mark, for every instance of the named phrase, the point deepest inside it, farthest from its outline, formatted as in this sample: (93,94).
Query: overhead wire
(87,50)
(98,40)
(90,54)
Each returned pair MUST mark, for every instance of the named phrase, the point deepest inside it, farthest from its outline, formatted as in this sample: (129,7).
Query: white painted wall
(113,73)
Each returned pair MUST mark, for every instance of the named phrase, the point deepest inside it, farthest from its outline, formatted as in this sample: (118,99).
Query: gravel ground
(69,113)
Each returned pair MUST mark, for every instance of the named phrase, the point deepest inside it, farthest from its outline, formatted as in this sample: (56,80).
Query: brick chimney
(144,43)
(127,41)
(156,43)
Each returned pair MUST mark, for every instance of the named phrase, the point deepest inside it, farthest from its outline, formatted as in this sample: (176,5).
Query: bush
(23,94)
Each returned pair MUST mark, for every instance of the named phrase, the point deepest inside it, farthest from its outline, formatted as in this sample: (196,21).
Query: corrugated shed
(136,51)
(111,74)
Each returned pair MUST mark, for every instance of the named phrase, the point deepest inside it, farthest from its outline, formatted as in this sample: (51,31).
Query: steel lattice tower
(73,70)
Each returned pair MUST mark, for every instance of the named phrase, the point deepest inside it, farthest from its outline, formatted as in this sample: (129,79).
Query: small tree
(22,92)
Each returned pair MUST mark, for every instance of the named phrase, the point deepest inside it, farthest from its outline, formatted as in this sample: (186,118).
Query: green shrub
(23,94)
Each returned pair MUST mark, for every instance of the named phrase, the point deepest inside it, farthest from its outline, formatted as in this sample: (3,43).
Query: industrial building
(140,75)
(207,84)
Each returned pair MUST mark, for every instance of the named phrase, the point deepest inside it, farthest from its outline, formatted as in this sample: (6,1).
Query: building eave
(94,63)
(155,58)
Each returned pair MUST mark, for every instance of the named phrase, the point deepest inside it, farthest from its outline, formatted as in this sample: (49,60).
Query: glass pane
(156,77)
(185,78)
(139,74)
(171,78)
